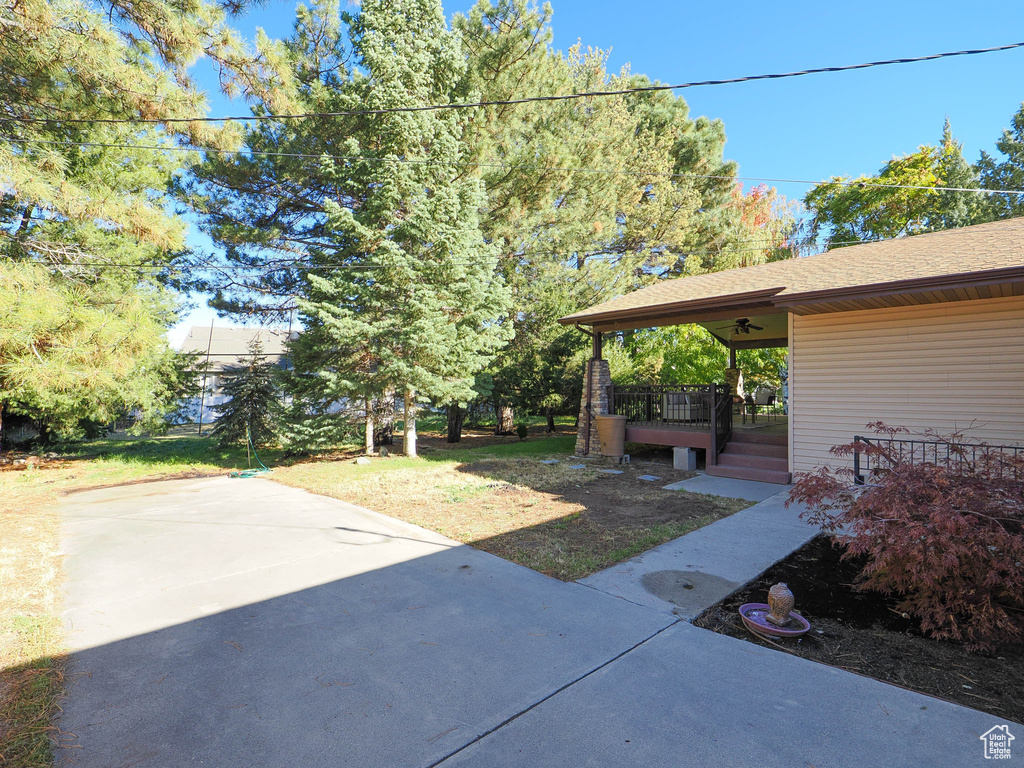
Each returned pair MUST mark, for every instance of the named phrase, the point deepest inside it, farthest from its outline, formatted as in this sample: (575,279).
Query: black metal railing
(882,453)
(688,406)
(722,420)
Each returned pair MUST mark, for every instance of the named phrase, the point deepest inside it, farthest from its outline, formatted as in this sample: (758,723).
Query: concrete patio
(241,623)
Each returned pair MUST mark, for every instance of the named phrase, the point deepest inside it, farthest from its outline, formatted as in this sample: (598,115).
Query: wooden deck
(678,436)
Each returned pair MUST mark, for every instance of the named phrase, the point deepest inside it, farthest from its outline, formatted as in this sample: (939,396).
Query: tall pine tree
(382,255)
(417,305)
(1006,172)
(86,230)
(570,238)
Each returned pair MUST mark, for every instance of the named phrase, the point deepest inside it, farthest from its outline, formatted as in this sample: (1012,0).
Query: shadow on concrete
(395,666)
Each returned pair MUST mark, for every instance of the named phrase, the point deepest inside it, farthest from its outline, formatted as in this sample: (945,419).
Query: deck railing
(656,405)
(882,453)
(722,428)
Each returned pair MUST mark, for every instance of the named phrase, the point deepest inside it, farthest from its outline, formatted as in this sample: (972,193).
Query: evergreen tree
(252,410)
(956,209)
(86,231)
(569,239)
(382,256)
(417,304)
(1005,174)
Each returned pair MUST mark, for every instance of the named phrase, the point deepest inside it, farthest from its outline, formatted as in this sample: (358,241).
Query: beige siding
(943,366)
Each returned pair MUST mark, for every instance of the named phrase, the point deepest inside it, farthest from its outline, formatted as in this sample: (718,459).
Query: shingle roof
(938,255)
(230,346)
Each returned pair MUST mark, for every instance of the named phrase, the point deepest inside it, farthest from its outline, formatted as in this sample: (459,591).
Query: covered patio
(898,331)
(740,437)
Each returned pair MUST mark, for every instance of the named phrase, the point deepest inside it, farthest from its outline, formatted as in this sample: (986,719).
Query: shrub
(521,430)
(946,538)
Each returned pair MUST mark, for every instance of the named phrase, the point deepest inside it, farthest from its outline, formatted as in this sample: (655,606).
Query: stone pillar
(599,378)
(734,380)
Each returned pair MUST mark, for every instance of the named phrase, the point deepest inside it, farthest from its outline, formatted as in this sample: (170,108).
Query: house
(220,349)
(925,332)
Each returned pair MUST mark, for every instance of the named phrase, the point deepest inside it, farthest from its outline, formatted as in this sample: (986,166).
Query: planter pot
(611,432)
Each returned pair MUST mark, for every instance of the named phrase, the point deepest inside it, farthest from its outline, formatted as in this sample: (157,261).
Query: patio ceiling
(762,331)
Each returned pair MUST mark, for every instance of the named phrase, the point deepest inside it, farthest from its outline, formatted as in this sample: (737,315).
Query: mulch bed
(862,632)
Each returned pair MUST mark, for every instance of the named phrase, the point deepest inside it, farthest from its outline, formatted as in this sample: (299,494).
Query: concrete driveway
(228,622)
(242,623)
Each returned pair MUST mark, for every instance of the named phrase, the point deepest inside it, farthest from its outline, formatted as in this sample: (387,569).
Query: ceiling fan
(742,325)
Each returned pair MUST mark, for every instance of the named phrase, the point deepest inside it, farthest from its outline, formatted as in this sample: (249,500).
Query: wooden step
(752,436)
(753,460)
(750,473)
(758,449)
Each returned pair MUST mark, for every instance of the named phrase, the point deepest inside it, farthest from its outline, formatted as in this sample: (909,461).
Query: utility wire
(609,257)
(247,153)
(524,100)
(597,255)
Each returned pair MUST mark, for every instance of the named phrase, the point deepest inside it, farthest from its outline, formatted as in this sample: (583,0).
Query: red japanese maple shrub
(945,534)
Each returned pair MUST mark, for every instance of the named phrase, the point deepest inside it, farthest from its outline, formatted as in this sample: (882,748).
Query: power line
(596,255)
(506,167)
(524,100)
(600,256)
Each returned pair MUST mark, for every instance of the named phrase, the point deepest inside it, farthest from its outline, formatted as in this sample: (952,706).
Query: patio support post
(596,401)
(712,454)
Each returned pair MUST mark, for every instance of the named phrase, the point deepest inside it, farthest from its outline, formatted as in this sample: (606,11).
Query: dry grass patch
(567,523)
(31,664)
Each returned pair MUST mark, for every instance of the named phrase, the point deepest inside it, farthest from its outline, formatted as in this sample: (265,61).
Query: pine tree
(569,239)
(252,411)
(1007,173)
(417,304)
(383,257)
(84,216)
(956,209)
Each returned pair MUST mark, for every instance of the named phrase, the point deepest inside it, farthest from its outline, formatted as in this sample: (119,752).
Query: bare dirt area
(862,632)
(563,519)
(576,529)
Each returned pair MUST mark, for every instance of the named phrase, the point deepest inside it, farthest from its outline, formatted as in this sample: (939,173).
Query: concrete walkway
(690,698)
(749,490)
(691,573)
(241,623)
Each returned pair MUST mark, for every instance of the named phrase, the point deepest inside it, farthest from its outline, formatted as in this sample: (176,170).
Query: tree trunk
(504,417)
(384,418)
(1,425)
(409,433)
(369,425)
(455,417)
(551,419)
(506,424)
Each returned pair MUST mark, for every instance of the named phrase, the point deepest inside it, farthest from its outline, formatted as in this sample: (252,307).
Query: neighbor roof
(230,346)
(980,261)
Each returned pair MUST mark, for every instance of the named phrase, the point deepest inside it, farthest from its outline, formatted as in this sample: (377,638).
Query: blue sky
(811,127)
